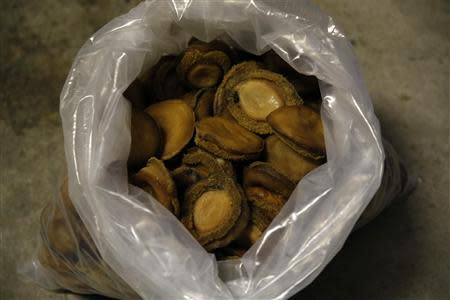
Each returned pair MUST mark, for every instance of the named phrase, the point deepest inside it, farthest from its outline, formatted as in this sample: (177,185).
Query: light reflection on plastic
(333,30)
(187,297)
(126,25)
(75,158)
(293,216)
(133,232)
(180,7)
(368,124)
(118,63)
(329,100)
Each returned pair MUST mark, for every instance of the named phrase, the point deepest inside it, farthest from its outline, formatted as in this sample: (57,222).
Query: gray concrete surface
(403,50)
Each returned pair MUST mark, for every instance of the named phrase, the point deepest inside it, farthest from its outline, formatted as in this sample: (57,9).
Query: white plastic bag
(147,246)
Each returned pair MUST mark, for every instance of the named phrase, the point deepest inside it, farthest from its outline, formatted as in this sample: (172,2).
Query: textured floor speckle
(402,47)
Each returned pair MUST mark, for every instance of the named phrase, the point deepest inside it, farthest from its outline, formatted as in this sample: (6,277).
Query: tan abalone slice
(205,102)
(176,120)
(266,189)
(260,174)
(223,94)
(155,179)
(215,211)
(258,223)
(203,65)
(251,93)
(235,231)
(286,160)
(207,163)
(227,139)
(301,128)
(186,176)
(198,164)
(267,201)
(146,138)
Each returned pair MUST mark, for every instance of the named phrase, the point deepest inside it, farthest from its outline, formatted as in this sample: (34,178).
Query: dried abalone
(146,138)
(215,211)
(287,161)
(227,139)
(251,93)
(176,120)
(301,128)
(203,65)
(156,180)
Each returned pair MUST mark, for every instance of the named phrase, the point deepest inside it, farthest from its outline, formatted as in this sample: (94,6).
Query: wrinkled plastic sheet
(146,245)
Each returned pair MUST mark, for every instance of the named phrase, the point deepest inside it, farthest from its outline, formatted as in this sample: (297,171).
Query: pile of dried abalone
(221,138)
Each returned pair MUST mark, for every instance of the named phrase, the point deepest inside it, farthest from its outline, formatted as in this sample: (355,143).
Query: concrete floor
(403,50)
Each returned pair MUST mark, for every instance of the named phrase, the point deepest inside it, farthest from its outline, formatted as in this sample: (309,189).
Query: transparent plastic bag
(68,256)
(145,250)
(396,184)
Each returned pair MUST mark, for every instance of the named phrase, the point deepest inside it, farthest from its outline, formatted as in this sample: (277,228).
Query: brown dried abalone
(227,139)
(145,139)
(198,164)
(251,93)
(156,180)
(176,120)
(261,174)
(301,128)
(203,65)
(287,161)
(207,163)
(204,107)
(215,211)
(258,223)
(266,189)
